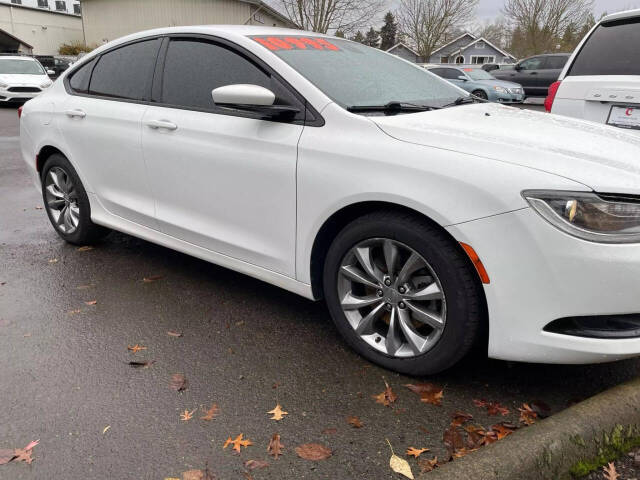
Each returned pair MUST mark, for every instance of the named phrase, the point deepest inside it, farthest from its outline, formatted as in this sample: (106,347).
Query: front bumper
(509,98)
(540,274)
(11,95)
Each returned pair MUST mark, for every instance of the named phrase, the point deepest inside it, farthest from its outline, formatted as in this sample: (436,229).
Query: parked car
(56,64)
(481,84)
(490,67)
(428,221)
(21,78)
(601,82)
(535,74)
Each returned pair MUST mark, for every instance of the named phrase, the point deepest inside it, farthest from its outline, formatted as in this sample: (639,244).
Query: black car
(56,64)
(535,74)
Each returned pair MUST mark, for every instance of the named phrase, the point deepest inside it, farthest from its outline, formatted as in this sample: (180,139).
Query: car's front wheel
(481,94)
(66,202)
(402,293)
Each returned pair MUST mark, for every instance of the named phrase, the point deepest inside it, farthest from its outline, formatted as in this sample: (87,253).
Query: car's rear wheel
(402,293)
(481,94)
(66,202)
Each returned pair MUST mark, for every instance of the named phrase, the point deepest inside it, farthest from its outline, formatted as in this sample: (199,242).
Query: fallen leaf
(253,464)
(24,454)
(502,430)
(415,452)
(427,465)
(104,430)
(141,364)
(278,413)
(463,452)
(173,333)
(92,302)
(178,382)
(86,248)
(527,415)
(6,456)
(429,393)
(475,436)
(187,415)
(237,443)
(211,413)
(152,278)
(459,418)
(493,408)
(399,465)
(354,422)
(387,397)
(610,472)
(198,475)
(136,348)
(452,439)
(313,451)
(53,260)
(275,446)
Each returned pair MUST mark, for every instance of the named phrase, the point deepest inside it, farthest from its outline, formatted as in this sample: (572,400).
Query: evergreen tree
(372,38)
(388,32)
(340,33)
(358,37)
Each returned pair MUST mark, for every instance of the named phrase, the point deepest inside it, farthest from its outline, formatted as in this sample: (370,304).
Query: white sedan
(22,78)
(427,221)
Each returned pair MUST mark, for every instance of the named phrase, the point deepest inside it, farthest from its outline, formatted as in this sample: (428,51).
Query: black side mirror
(517,68)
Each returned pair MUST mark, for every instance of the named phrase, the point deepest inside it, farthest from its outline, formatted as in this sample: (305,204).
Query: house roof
(13,37)
(400,44)
(473,37)
(482,39)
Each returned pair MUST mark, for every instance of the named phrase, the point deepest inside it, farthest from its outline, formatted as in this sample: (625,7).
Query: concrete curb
(548,449)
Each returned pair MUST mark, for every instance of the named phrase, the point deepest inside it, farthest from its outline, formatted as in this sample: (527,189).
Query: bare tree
(426,23)
(541,24)
(322,16)
(496,31)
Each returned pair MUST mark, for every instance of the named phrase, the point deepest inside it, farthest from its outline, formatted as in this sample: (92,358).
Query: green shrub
(74,48)
(612,446)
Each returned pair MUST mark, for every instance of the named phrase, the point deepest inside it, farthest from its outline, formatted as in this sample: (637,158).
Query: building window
(43,3)
(444,59)
(16,2)
(459,59)
(61,6)
(482,59)
(76,9)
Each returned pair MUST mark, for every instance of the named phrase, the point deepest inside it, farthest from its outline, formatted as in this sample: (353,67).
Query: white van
(601,81)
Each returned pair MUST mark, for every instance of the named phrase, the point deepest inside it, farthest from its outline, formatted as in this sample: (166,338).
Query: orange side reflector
(484,276)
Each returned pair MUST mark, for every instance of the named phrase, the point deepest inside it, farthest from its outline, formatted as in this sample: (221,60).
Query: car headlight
(589,216)
(500,89)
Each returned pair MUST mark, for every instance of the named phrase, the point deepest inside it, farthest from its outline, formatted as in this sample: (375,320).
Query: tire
(480,94)
(462,306)
(68,192)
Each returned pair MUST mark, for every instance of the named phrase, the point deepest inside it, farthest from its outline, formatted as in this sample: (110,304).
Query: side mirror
(51,72)
(252,98)
(517,67)
(463,78)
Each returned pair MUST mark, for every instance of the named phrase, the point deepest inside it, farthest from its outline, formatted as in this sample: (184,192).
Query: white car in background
(22,78)
(427,221)
(601,81)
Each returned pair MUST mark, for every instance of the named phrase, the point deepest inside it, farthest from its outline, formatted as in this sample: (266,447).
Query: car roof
(621,15)
(17,57)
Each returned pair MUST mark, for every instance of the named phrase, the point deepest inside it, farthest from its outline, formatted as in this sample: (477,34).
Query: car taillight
(553,90)
(20,111)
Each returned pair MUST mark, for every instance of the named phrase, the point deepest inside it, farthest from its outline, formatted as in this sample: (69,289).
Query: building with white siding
(27,28)
(106,20)
(64,6)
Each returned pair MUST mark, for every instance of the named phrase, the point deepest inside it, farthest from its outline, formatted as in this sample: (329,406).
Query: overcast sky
(491,8)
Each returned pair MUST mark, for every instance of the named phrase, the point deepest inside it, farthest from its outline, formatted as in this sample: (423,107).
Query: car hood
(19,79)
(606,159)
(500,83)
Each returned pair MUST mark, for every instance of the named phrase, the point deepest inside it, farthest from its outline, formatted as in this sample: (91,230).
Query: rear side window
(534,63)
(194,68)
(612,49)
(79,81)
(448,73)
(555,63)
(125,72)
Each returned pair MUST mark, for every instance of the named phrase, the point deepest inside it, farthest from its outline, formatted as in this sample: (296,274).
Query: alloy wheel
(391,297)
(62,200)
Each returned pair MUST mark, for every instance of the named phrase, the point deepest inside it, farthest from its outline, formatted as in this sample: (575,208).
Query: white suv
(601,81)
(22,78)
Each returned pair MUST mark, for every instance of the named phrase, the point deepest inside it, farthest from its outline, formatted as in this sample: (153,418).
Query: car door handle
(75,113)
(156,124)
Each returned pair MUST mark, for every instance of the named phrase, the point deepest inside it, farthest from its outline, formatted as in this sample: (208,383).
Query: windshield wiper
(462,101)
(391,107)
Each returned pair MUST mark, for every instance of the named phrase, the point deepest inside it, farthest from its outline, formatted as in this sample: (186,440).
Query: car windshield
(478,74)
(354,75)
(16,66)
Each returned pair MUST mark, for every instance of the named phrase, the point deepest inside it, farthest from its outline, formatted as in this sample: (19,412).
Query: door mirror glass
(243,94)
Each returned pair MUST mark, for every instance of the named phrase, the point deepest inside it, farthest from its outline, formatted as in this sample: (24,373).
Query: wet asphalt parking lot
(246,346)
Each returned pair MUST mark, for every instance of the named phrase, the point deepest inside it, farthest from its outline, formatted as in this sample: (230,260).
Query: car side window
(194,67)
(447,73)
(555,62)
(534,63)
(79,81)
(126,72)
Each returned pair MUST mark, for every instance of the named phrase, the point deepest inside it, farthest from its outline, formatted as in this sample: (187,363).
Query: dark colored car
(49,62)
(535,74)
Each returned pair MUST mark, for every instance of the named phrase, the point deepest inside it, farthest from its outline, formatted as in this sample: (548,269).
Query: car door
(223,179)
(100,123)
(528,73)
(551,70)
